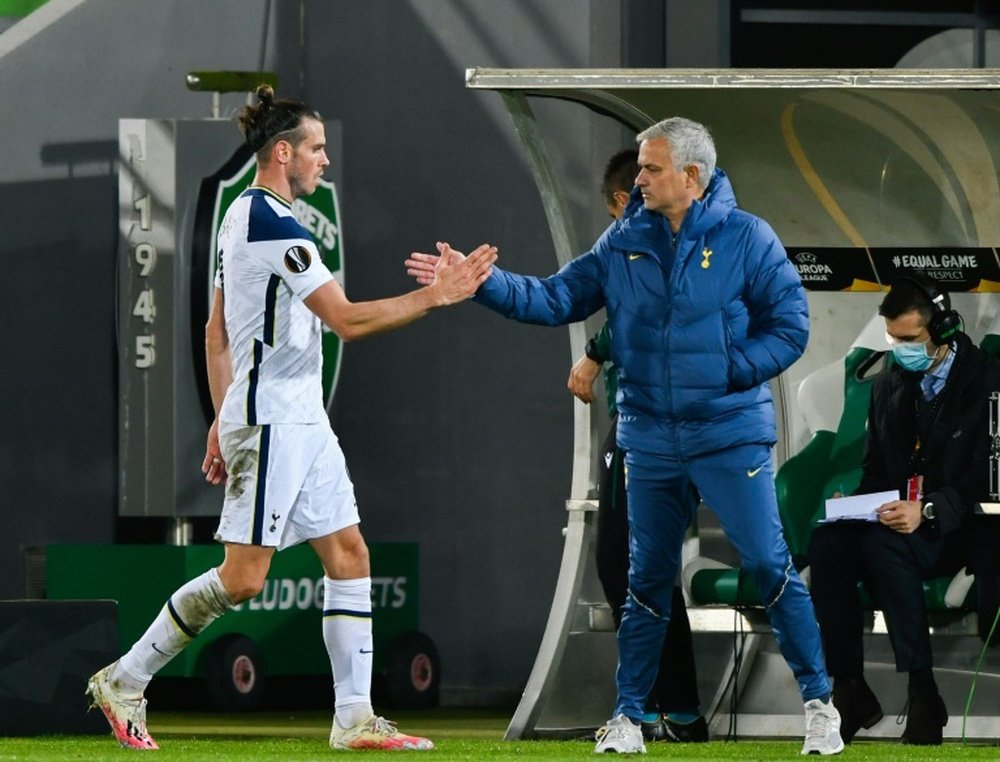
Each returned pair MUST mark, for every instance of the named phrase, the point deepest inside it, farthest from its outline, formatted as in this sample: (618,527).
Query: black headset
(945,322)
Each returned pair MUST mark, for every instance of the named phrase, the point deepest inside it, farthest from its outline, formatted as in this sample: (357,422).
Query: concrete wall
(71,70)
(457,429)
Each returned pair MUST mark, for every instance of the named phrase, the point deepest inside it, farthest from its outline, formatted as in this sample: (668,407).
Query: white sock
(187,612)
(347,632)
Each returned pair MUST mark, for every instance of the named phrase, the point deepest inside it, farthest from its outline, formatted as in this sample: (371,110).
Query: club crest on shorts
(298,259)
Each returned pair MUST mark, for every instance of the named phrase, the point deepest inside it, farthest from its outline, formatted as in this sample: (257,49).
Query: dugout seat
(829,463)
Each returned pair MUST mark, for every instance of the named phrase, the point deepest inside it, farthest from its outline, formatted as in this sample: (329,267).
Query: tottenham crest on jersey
(298,259)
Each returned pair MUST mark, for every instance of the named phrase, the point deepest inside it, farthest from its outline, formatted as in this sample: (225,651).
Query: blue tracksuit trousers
(738,486)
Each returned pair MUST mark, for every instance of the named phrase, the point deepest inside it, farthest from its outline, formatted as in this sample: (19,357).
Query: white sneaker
(620,736)
(822,728)
(126,714)
(375,733)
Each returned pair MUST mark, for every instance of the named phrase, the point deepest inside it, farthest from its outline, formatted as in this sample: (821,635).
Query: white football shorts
(287,483)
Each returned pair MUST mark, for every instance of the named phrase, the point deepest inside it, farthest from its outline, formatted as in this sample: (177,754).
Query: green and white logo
(318,213)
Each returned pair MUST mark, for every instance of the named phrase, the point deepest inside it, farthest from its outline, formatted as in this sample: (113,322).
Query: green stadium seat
(991,344)
(829,463)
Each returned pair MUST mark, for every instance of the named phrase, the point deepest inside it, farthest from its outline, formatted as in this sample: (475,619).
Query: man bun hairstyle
(273,119)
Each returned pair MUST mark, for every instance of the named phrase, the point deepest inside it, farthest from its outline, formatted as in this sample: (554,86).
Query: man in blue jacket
(704,308)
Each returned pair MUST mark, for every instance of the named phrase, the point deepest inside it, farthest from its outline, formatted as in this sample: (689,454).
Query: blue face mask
(912,355)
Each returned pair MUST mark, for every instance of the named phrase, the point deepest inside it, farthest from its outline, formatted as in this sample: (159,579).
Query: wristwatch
(928,511)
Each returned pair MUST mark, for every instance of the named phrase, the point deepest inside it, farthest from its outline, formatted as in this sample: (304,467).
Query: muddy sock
(186,613)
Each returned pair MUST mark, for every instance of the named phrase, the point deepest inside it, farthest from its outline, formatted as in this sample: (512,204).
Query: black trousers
(892,566)
(676,686)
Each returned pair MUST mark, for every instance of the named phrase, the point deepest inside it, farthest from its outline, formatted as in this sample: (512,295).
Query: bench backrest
(830,462)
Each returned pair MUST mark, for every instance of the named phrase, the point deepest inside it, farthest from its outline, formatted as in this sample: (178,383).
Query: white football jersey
(268,264)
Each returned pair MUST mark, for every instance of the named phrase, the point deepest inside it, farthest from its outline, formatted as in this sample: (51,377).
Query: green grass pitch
(459,735)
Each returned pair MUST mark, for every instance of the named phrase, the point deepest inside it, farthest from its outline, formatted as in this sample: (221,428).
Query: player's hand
(456,278)
(422,267)
(581,379)
(214,467)
(902,515)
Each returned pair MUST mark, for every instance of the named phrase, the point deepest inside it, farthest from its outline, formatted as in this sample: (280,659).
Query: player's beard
(302,182)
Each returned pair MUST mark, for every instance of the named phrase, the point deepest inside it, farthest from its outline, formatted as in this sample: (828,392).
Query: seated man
(927,437)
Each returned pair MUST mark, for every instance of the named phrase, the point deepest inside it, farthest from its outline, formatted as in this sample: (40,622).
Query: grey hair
(690,143)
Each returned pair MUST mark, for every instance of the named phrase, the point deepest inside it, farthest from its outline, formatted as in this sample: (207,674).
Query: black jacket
(953,457)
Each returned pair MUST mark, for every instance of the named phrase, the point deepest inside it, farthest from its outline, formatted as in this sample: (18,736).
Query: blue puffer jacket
(699,322)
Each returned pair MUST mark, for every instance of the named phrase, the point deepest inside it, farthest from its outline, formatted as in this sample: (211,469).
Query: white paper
(857,507)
